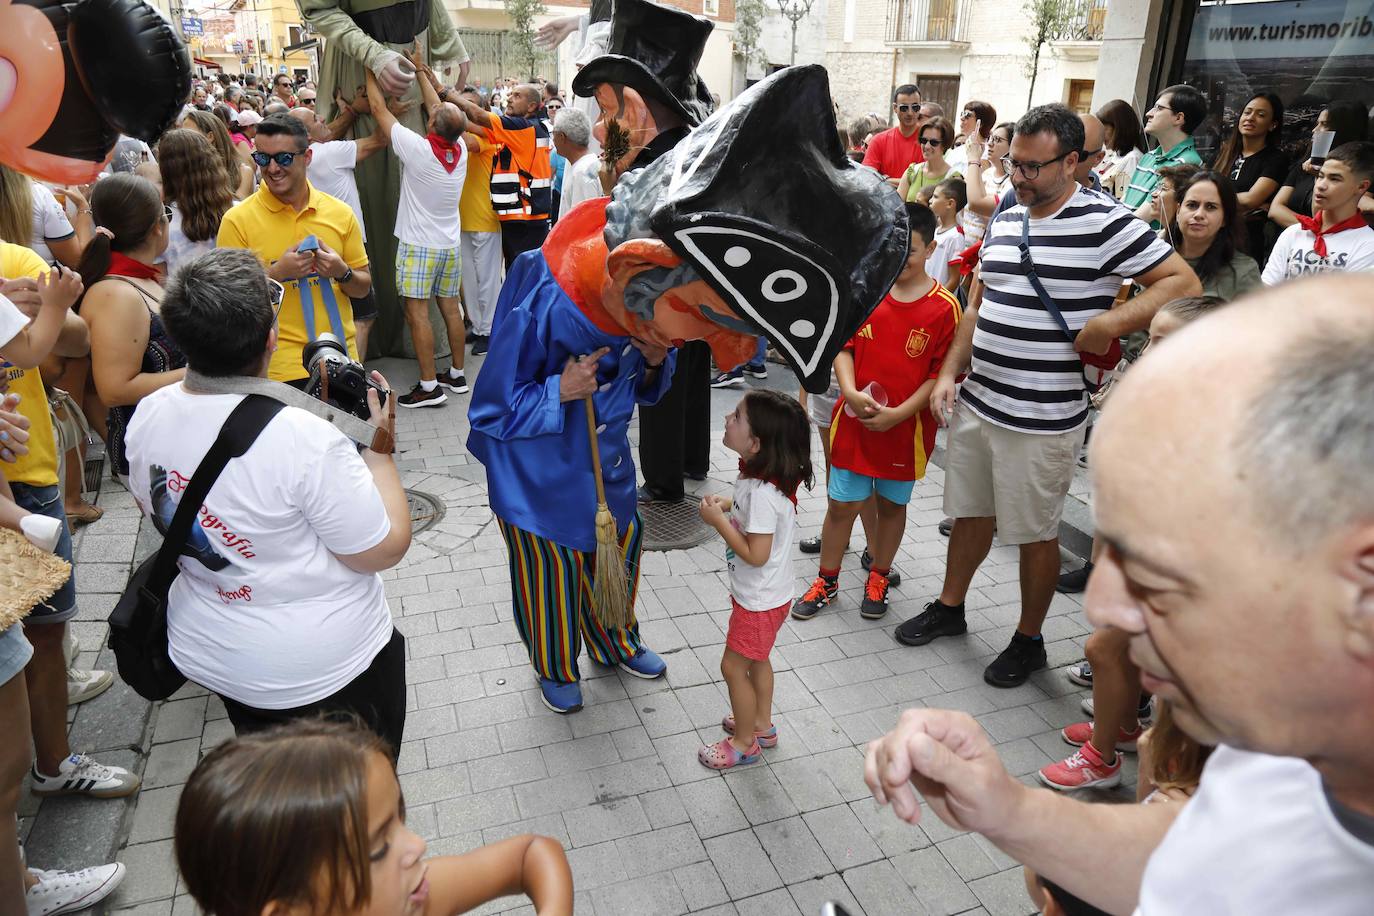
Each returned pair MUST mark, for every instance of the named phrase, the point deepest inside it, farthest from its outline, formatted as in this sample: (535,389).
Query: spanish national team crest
(916,343)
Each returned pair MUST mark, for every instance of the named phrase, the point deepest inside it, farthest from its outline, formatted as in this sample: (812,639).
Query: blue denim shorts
(15,652)
(61,607)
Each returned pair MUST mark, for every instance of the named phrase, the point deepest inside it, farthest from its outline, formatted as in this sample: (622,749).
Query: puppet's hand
(396,74)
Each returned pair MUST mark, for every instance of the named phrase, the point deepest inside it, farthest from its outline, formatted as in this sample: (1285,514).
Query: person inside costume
(695,246)
(378,35)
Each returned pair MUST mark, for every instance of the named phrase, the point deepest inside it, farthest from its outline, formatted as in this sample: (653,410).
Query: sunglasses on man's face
(282,159)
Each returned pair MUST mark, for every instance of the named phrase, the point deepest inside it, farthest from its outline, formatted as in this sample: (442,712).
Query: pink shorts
(752,633)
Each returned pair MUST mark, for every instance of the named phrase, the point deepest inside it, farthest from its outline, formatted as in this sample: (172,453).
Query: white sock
(42,532)
(429,384)
(455,372)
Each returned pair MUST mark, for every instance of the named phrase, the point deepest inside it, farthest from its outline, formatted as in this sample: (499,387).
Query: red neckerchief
(444,151)
(789,492)
(968,259)
(1313,224)
(124,266)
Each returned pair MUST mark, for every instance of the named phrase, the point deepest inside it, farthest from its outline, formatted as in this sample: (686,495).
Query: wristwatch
(348,275)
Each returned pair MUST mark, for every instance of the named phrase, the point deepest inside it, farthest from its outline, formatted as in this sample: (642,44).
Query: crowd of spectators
(1045,250)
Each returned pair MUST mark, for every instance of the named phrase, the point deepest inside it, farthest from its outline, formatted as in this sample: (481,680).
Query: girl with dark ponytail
(131,354)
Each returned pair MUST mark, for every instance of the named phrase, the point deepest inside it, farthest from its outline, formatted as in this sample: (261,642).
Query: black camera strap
(360,431)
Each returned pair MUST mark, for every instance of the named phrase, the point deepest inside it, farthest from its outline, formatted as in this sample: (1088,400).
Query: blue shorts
(61,607)
(849,487)
(15,652)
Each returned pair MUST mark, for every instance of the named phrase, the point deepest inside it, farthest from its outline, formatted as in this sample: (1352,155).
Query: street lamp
(795,11)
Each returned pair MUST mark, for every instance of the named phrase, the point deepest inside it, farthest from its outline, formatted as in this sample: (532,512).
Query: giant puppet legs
(551,589)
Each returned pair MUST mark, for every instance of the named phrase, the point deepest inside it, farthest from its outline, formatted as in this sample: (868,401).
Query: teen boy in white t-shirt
(1336,237)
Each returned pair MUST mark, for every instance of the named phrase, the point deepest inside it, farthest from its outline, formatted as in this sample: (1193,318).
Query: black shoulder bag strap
(236,436)
(1029,266)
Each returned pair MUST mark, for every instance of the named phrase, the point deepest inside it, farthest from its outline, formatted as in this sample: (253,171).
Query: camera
(332,371)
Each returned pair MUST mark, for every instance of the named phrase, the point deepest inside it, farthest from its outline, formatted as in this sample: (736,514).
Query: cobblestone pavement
(648,830)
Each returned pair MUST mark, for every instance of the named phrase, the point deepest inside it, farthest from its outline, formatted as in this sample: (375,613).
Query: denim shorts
(15,652)
(849,487)
(61,607)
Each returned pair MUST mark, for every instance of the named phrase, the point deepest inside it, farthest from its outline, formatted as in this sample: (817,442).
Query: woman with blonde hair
(239,174)
(194,186)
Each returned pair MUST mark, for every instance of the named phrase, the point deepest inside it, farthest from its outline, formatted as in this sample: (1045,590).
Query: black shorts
(365,309)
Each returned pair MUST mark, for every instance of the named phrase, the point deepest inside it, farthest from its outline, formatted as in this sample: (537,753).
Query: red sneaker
(1080,733)
(1084,769)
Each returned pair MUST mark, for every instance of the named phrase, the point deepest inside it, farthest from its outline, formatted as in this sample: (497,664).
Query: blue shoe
(645,663)
(560,696)
(757,370)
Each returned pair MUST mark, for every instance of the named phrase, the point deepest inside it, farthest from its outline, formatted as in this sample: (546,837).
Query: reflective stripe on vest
(523,190)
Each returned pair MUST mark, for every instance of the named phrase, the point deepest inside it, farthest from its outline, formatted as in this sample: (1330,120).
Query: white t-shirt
(581,181)
(180,249)
(50,223)
(1259,836)
(331,171)
(263,611)
(1349,251)
(428,212)
(12,321)
(948,244)
(761,508)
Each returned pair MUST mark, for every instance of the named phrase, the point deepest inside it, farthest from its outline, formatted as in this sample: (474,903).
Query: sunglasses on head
(282,159)
(275,294)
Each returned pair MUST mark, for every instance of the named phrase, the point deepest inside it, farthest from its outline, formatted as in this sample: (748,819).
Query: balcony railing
(1084,21)
(916,21)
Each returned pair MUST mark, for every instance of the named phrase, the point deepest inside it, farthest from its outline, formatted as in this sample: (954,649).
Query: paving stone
(155,815)
(934,882)
(700,885)
(760,795)
(630,777)
(1003,894)
(661,850)
(466,814)
(793,850)
(580,754)
(151,874)
(843,838)
(427,786)
(506,770)
(649,894)
(606,821)
(554,794)
(549,825)
(807,786)
(742,864)
(711,807)
(893,835)
(880,891)
(171,764)
(809,896)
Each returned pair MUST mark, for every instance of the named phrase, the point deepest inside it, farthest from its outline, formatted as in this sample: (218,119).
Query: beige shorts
(1019,478)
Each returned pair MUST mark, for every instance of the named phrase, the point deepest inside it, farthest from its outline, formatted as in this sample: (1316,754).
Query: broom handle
(596,451)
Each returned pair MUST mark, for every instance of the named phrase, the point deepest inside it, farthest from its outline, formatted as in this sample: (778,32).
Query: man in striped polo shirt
(1017,429)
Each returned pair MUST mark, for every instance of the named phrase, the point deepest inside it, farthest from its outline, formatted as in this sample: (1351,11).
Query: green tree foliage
(522,14)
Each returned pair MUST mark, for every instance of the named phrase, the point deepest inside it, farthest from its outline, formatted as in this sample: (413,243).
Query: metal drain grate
(425,510)
(673,526)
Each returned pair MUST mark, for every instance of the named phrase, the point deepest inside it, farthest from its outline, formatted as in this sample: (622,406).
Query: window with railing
(927,20)
(1084,21)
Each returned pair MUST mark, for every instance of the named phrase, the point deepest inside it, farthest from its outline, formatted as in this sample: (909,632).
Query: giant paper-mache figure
(377,35)
(756,222)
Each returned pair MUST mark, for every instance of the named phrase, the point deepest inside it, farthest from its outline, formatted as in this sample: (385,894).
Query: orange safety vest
(521,174)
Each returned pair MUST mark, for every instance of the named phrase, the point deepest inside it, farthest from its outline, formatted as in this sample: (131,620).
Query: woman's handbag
(138,623)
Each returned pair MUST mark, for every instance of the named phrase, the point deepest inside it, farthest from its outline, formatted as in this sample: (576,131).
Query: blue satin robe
(534,448)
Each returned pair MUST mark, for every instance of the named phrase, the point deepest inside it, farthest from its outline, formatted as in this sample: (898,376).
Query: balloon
(74,76)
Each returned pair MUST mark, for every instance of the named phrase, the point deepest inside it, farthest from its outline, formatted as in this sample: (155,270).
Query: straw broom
(610,588)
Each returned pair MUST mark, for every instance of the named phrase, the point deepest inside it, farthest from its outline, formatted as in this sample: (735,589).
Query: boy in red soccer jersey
(883,432)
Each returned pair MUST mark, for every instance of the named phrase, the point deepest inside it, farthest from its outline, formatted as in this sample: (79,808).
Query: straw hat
(28,577)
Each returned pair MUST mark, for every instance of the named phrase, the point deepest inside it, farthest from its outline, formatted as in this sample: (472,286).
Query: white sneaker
(42,532)
(71,646)
(80,775)
(82,685)
(59,892)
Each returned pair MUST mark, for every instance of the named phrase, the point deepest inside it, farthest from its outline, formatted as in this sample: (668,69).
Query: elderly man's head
(314,124)
(221,309)
(1233,493)
(571,133)
(448,121)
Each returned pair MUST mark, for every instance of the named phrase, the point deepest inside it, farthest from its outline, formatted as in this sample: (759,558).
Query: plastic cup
(1321,145)
(875,391)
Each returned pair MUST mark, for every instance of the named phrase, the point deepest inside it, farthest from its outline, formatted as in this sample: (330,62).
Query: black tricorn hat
(762,200)
(655,50)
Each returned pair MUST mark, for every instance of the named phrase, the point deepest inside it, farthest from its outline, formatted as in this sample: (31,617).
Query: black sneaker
(647,495)
(458,384)
(480,344)
(894,578)
(874,604)
(698,476)
(1071,583)
(1022,656)
(811,545)
(935,621)
(821,593)
(945,527)
(757,370)
(419,397)
(732,379)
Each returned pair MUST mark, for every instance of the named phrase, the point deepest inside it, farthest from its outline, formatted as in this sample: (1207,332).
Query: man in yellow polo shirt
(33,480)
(286,211)
(481,236)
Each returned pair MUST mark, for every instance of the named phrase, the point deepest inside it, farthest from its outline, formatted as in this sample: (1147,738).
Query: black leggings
(377,696)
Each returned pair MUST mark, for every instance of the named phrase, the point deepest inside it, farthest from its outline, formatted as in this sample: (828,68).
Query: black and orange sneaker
(874,604)
(821,593)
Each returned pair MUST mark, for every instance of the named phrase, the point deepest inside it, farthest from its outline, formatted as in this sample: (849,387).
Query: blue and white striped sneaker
(80,775)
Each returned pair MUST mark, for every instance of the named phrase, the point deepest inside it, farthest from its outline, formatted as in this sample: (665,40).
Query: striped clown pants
(551,588)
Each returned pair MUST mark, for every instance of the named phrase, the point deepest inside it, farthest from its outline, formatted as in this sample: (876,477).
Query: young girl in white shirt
(769,431)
